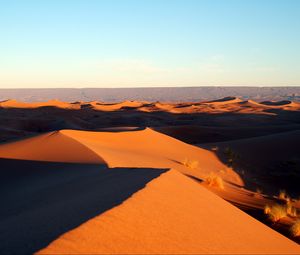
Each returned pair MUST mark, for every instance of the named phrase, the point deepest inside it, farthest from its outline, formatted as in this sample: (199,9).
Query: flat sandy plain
(135,177)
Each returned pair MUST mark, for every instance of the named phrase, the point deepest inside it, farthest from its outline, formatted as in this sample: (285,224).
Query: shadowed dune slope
(271,162)
(173,215)
(225,100)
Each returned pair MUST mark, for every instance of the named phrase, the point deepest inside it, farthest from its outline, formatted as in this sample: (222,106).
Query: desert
(138,177)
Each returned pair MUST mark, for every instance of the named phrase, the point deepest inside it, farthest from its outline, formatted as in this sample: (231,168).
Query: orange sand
(173,215)
(144,148)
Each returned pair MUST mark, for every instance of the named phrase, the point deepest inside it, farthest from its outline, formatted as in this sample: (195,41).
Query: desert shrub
(190,163)
(283,196)
(215,148)
(295,228)
(267,209)
(275,212)
(230,155)
(214,181)
(290,210)
(258,193)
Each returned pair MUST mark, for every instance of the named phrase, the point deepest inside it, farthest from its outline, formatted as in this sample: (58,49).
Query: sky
(144,43)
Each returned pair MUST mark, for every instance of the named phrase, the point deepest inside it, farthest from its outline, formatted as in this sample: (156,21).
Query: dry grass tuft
(295,228)
(267,209)
(291,210)
(214,180)
(215,148)
(258,193)
(230,155)
(193,164)
(275,212)
(283,196)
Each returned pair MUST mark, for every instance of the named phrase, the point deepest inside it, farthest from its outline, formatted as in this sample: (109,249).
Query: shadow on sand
(41,200)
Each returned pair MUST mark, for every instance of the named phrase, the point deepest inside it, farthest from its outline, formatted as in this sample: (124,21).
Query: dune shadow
(196,127)
(269,163)
(42,200)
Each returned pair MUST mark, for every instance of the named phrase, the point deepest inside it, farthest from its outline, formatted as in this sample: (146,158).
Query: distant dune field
(149,177)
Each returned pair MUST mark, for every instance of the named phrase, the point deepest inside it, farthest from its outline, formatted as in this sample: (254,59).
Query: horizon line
(148,87)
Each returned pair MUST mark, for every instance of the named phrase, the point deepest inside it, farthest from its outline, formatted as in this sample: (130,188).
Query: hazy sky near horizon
(128,43)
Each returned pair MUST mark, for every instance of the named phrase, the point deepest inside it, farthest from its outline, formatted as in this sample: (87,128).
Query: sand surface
(129,177)
(173,215)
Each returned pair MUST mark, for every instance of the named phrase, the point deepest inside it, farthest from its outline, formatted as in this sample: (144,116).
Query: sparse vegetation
(193,164)
(230,155)
(283,195)
(267,209)
(290,210)
(278,211)
(295,229)
(215,148)
(275,212)
(214,180)
(258,193)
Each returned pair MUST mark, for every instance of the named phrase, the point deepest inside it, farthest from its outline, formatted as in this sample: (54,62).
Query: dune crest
(11,103)
(173,215)
(141,148)
(225,100)
(227,104)
(52,147)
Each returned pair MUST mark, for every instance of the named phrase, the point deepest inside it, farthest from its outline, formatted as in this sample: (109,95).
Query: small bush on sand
(214,180)
(275,212)
(267,209)
(258,193)
(283,196)
(291,210)
(230,155)
(295,228)
(215,148)
(190,163)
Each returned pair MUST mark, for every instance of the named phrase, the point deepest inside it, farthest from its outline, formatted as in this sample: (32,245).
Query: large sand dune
(143,148)
(42,200)
(173,215)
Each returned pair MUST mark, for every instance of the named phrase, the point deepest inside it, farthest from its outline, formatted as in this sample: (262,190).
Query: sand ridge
(227,104)
(142,148)
(173,215)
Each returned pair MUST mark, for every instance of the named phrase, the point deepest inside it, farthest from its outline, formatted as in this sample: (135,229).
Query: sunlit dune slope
(175,215)
(227,104)
(54,103)
(116,106)
(52,146)
(143,148)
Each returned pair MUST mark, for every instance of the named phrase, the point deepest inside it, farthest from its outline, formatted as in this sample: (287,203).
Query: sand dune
(117,106)
(225,100)
(173,215)
(43,200)
(269,162)
(52,147)
(54,103)
(286,104)
(142,148)
(221,105)
(124,188)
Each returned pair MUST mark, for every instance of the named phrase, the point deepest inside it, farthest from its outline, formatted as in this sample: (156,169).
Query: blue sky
(128,43)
